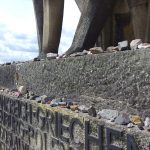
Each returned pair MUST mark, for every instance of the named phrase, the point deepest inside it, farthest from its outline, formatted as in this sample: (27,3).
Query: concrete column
(38,8)
(92,21)
(52,25)
(80,4)
(139,17)
(147,38)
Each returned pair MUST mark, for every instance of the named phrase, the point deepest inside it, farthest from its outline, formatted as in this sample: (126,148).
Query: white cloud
(18,39)
(17,31)
(17,46)
(18,15)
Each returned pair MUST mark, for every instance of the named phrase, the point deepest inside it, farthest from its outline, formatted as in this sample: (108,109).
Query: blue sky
(18,39)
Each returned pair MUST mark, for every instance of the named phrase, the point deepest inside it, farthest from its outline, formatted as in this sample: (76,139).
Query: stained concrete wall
(7,76)
(122,77)
(25,125)
(114,80)
(80,4)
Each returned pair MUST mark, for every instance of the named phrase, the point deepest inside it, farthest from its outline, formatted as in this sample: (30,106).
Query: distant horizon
(18,35)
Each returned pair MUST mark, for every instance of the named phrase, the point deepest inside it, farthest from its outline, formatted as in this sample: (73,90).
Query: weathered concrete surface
(38,8)
(117,80)
(7,76)
(123,78)
(92,21)
(52,25)
(31,126)
(80,4)
(48,27)
(113,17)
(139,21)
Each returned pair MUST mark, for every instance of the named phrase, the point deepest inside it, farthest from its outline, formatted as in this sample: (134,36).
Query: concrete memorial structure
(115,81)
(28,126)
(130,19)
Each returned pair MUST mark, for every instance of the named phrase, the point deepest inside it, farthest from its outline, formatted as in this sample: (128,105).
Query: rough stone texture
(91,23)
(7,76)
(122,77)
(40,127)
(109,81)
(38,8)
(48,28)
(108,114)
(80,4)
(96,16)
(122,119)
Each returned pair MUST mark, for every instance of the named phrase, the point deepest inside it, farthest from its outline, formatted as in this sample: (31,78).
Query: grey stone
(62,103)
(140,126)
(108,114)
(122,119)
(55,102)
(43,97)
(76,111)
(33,97)
(38,99)
(78,54)
(83,108)
(75,103)
(6,91)
(48,99)
(147,122)
(36,59)
(85,52)
(68,101)
(96,50)
(112,49)
(92,111)
(112,120)
(22,90)
(144,45)
(134,44)
(54,105)
(30,94)
(123,45)
(130,125)
(51,56)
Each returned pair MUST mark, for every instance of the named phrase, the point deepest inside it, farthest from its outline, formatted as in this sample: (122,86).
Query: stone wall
(114,80)
(26,125)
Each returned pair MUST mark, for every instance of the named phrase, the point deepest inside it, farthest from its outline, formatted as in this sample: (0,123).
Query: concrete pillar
(147,38)
(120,16)
(52,25)
(80,4)
(91,22)
(139,17)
